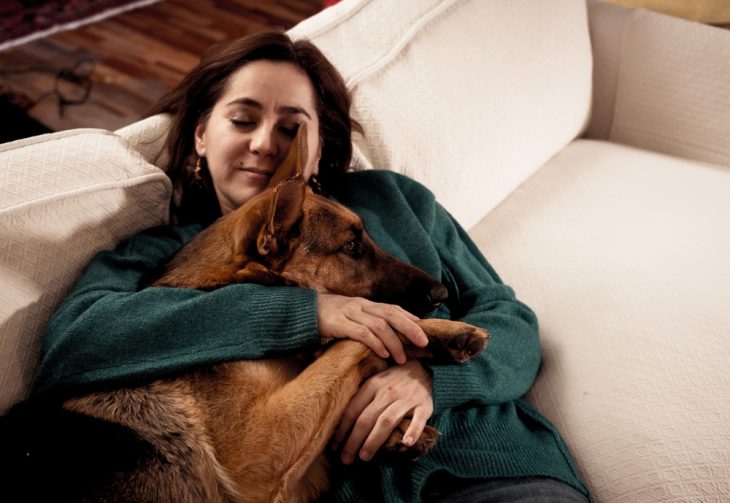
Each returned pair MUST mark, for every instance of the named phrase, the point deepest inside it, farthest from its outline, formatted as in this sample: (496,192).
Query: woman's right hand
(374,324)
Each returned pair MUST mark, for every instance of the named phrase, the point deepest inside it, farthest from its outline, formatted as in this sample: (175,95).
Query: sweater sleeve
(506,369)
(108,332)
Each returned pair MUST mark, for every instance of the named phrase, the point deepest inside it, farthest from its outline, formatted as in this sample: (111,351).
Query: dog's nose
(437,295)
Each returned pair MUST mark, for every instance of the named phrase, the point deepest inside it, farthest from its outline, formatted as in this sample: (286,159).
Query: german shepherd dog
(245,431)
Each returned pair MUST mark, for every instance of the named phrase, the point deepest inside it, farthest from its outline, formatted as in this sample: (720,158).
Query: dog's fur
(249,431)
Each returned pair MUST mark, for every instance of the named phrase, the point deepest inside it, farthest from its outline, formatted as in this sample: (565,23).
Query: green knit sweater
(108,333)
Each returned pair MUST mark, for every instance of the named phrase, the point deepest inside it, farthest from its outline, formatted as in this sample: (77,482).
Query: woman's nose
(262,142)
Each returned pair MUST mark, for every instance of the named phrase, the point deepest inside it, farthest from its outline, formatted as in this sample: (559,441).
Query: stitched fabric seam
(400,44)
(154,177)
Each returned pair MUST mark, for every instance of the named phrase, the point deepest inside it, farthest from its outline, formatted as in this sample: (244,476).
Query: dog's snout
(426,294)
(437,295)
(410,288)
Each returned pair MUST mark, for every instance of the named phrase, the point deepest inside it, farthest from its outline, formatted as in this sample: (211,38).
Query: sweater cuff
(451,387)
(283,328)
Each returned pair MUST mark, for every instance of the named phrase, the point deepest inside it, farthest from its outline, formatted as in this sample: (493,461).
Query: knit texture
(109,333)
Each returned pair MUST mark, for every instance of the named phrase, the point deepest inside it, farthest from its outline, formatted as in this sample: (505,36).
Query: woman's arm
(404,213)
(107,332)
(506,369)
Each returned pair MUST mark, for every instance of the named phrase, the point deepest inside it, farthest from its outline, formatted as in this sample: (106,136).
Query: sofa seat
(620,252)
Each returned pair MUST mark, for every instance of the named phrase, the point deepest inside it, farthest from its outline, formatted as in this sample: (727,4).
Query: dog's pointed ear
(287,208)
(296,159)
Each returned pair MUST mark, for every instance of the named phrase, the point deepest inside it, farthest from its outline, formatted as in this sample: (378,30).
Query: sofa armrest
(660,83)
(63,197)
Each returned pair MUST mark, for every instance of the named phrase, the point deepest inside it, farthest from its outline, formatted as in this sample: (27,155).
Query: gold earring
(196,172)
(315,184)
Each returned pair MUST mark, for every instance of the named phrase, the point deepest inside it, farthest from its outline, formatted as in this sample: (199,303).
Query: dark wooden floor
(135,56)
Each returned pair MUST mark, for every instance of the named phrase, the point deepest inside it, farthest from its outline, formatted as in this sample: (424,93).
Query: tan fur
(255,431)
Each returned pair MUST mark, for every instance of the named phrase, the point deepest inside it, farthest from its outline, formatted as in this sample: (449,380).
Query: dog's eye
(352,248)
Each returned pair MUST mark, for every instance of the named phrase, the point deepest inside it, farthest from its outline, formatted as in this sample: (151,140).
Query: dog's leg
(449,341)
(304,413)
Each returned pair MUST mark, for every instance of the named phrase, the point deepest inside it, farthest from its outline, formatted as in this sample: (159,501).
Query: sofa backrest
(63,197)
(469,97)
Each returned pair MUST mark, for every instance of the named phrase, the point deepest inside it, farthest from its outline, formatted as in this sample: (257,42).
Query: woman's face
(252,125)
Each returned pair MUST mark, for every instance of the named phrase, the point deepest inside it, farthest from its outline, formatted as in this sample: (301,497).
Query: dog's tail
(51,454)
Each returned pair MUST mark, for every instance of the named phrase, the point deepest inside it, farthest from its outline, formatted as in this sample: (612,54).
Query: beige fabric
(661,83)
(63,197)
(147,137)
(707,11)
(607,23)
(623,254)
(469,97)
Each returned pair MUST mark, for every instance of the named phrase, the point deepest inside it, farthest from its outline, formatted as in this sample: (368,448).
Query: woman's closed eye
(289,130)
(243,122)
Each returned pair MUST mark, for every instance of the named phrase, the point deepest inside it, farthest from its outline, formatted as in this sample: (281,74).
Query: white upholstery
(672,95)
(63,197)
(148,136)
(623,253)
(471,112)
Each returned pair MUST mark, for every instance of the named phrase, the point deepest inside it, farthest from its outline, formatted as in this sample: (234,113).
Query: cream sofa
(584,146)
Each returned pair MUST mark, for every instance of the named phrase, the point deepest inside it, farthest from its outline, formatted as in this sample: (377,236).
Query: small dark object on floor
(15,123)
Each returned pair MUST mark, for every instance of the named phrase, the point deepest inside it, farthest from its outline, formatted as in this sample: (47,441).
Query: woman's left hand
(380,405)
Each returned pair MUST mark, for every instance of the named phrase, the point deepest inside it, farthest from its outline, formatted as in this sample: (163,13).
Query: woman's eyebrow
(293,110)
(287,109)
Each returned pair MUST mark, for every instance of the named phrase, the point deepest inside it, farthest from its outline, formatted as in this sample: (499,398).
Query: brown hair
(194,97)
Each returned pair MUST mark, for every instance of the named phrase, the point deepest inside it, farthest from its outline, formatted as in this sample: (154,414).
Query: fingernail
(408,441)
(423,340)
(365,455)
(346,459)
(385,354)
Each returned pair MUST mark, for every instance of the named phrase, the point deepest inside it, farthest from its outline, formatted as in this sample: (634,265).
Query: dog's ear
(287,208)
(295,161)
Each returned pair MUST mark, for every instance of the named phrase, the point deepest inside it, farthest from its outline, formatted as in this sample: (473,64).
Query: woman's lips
(257,173)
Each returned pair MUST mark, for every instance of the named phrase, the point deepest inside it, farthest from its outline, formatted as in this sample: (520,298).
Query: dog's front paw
(394,448)
(453,341)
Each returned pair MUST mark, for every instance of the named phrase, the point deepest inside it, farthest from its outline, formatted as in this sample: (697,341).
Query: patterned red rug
(24,20)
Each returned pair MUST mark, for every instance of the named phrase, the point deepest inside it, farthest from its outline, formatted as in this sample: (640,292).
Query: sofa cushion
(661,83)
(623,254)
(469,97)
(147,136)
(63,197)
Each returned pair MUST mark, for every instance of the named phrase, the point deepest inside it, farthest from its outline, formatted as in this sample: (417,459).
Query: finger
(360,431)
(418,423)
(355,408)
(360,332)
(400,320)
(383,331)
(388,420)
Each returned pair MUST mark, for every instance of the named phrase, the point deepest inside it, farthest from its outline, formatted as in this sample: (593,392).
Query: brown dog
(255,431)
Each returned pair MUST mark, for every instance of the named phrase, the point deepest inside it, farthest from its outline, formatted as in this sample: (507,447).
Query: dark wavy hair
(194,97)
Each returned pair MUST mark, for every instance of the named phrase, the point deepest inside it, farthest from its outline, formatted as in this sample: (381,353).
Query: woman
(233,119)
